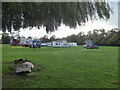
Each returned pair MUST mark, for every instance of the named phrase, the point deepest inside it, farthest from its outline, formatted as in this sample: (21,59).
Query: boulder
(24,68)
(29,64)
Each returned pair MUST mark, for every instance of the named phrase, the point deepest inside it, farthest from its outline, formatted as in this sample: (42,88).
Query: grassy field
(72,67)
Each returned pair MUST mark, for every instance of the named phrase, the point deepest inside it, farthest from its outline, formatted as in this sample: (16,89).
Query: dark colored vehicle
(90,45)
(35,44)
(14,42)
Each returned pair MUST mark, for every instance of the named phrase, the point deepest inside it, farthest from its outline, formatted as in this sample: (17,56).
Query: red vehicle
(14,42)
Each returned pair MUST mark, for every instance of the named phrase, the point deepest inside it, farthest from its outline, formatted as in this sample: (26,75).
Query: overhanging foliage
(18,15)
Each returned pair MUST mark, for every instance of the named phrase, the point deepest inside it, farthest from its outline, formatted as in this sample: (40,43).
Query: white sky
(64,31)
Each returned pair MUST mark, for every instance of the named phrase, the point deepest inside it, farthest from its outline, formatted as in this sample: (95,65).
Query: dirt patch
(14,64)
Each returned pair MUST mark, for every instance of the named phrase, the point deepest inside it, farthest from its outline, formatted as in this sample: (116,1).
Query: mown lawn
(72,67)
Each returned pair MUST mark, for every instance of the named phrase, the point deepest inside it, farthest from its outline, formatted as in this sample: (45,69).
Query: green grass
(72,67)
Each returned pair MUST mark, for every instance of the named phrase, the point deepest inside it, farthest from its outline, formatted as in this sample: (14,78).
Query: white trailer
(43,44)
(59,43)
(49,44)
(63,43)
(72,44)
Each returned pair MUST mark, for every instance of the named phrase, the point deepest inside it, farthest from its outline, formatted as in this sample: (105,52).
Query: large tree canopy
(18,15)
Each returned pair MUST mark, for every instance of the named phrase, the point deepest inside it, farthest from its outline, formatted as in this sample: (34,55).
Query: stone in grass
(24,68)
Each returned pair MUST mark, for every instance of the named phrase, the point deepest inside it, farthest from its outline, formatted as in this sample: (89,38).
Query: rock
(24,68)
(29,64)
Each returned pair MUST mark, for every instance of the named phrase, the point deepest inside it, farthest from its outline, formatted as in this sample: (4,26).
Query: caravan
(63,43)
(59,43)
(72,44)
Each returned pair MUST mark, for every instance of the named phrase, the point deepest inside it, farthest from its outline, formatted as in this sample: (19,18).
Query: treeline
(100,37)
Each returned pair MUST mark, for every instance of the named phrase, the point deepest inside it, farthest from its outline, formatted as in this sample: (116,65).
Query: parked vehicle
(23,42)
(14,42)
(90,45)
(49,44)
(63,43)
(59,43)
(43,44)
(35,44)
(72,44)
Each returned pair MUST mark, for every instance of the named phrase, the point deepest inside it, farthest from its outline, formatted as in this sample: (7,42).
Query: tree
(80,38)
(5,38)
(50,15)
(100,37)
(113,37)
(44,39)
(29,37)
(52,38)
(72,38)
(113,40)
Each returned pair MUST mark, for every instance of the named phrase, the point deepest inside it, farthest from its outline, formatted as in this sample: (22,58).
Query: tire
(33,46)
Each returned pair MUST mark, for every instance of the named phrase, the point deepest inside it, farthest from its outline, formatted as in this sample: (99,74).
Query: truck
(35,43)
(29,42)
(14,42)
(23,42)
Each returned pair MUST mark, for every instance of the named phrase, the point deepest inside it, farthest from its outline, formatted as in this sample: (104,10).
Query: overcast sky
(65,31)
